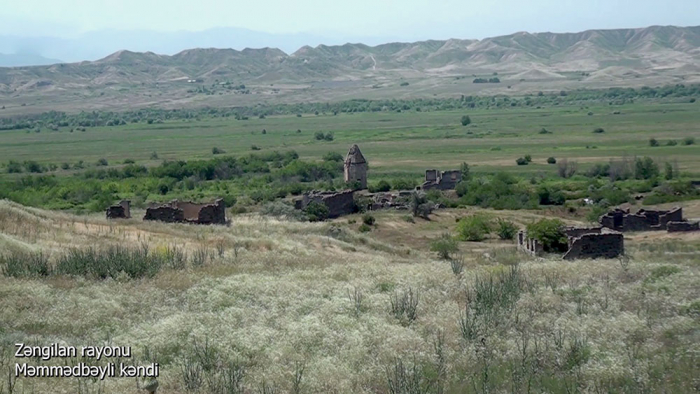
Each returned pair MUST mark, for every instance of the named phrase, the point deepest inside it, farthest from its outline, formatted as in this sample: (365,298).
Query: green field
(406,142)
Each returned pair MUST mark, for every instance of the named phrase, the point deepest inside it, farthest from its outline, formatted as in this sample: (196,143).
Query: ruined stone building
(188,212)
(338,203)
(583,243)
(355,167)
(119,211)
(441,180)
(646,220)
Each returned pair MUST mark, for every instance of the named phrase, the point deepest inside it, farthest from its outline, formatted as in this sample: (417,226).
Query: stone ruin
(188,212)
(338,203)
(583,243)
(388,200)
(441,180)
(355,167)
(119,211)
(647,220)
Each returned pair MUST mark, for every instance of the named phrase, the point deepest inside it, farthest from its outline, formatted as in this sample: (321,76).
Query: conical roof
(355,156)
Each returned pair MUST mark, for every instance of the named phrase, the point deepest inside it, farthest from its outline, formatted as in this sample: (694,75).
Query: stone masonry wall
(119,211)
(675,227)
(338,203)
(592,246)
(185,211)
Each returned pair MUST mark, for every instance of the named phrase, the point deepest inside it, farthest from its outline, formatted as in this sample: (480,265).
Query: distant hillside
(595,56)
(20,59)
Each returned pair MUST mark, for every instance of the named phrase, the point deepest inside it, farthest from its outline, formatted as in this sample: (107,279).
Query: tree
(521,161)
(464,169)
(506,229)
(551,160)
(645,168)
(316,212)
(466,120)
(550,233)
(653,142)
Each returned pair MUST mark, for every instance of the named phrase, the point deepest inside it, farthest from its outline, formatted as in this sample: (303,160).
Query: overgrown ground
(307,307)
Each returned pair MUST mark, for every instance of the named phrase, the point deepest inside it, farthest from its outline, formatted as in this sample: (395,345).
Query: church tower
(356,167)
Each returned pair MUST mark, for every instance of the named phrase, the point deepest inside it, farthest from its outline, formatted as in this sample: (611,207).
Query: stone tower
(356,167)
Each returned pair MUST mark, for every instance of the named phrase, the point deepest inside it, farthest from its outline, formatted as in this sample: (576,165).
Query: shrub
(443,246)
(653,142)
(550,196)
(567,169)
(14,167)
(506,229)
(381,186)
(365,228)
(254,147)
(65,166)
(545,131)
(521,161)
(333,157)
(550,233)
(316,212)
(692,100)
(466,120)
(217,151)
(264,131)
(405,306)
(129,161)
(281,210)
(154,156)
(102,162)
(473,228)
(528,158)
(319,135)
(368,219)
(671,143)
(551,160)
(599,130)
(328,136)
(688,141)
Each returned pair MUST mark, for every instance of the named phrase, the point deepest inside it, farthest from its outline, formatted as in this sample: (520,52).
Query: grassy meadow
(405,142)
(307,308)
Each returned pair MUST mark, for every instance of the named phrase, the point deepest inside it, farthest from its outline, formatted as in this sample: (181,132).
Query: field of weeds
(274,306)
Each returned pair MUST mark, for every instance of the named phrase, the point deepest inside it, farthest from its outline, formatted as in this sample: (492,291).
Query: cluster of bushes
(653,142)
(320,136)
(501,191)
(477,227)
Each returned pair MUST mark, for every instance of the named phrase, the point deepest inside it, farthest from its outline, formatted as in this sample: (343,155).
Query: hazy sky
(408,19)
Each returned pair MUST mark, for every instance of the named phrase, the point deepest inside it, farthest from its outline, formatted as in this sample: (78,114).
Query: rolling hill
(596,56)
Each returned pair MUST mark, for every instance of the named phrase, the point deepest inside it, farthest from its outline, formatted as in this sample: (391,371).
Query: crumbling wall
(445,180)
(591,246)
(675,227)
(573,232)
(529,245)
(643,220)
(119,211)
(338,203)
(185,211)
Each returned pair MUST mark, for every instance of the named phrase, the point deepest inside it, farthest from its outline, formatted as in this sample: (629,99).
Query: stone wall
(338,203)
(445,180)
(584,243)
(607,245)
(188,212)
(643,220)
(675,227)
(119,211)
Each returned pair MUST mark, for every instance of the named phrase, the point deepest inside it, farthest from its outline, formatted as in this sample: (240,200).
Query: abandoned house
(338,203)
(355,167)
(119,211)
(644,220)
(188,212)
(583,243)
(441,180)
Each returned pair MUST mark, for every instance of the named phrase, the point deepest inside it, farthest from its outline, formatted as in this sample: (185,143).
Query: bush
(319,135)
(506,229)
(443,246)
(381,186)
(466,120)
(653,142)
(521,161)
(328,136)
(599,130)
(254,147)
(279,209)
(368,219)
(688,141)
(217,151)
(102,162)
(333,157)
(316,212)
(65,166)
(365,228)
(528,158)
(645,168)
(473,228)
(154,156)
(551,160)
(545,131)
(550,233)
(671,143)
